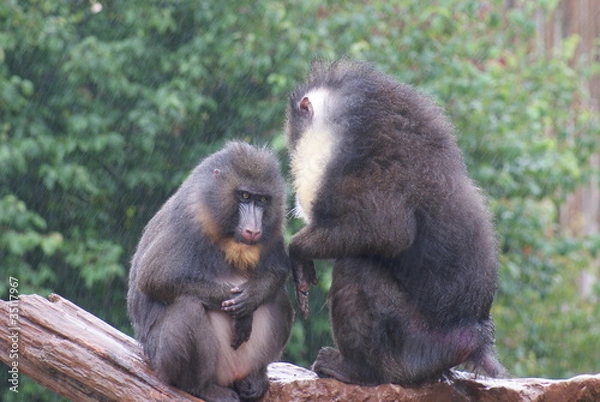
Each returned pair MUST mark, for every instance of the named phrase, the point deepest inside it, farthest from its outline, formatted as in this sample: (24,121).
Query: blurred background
(106,106)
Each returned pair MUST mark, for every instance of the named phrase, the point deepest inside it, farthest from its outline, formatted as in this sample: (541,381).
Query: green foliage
(104,113)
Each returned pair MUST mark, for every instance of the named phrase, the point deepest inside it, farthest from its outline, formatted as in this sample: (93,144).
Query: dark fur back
(397,173)
(394,137)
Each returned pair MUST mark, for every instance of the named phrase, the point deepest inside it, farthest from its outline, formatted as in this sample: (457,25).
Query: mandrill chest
(309,161)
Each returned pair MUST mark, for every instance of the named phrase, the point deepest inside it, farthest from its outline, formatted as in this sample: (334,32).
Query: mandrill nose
(251,236)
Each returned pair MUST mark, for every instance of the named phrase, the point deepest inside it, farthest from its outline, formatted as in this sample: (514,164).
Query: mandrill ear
(219,175)
(306,106)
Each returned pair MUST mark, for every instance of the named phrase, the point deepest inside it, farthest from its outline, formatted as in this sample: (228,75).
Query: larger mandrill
(384,191)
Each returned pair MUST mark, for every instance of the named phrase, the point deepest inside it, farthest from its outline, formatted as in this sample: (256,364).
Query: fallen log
(78,356)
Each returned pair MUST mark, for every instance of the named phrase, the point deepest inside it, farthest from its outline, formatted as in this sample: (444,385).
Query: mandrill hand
(243,303)
(304,277)
(240,308)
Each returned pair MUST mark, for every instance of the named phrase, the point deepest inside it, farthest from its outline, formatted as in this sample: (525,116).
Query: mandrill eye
(244,196)
(264,199)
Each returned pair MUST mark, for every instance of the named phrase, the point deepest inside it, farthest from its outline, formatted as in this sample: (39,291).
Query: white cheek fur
(312,153)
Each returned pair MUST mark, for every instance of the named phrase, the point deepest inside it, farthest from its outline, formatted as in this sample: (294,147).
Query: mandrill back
(388,197)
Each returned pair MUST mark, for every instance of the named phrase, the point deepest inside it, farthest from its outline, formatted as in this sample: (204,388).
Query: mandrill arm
(383,232)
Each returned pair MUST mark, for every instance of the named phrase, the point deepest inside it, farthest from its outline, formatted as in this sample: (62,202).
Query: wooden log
(80,357)
(76,355)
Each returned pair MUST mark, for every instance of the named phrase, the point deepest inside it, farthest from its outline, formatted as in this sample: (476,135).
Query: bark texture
(78,356)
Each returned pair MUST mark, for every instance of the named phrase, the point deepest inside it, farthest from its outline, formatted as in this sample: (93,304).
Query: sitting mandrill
(384,191)
(206,288)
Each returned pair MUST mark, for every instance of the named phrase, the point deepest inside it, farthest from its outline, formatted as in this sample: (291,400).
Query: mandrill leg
(330,363)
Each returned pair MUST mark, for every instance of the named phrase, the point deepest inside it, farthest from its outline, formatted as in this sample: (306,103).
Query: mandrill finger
(229,304)
(302,299)
(304,277)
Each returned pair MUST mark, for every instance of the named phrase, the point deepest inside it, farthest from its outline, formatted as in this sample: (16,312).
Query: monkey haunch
(383,188)
(206,287)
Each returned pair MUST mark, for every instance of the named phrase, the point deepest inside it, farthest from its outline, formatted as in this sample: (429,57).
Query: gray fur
(209,325)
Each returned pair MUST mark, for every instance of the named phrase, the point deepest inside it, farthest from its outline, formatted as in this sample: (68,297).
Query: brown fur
(242,256)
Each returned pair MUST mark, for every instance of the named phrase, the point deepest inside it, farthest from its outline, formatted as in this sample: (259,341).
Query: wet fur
(389,199)
(185,266)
